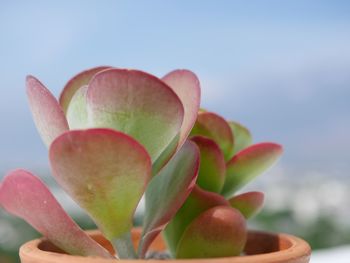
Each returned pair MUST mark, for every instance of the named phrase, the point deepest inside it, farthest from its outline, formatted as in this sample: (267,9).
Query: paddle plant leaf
(77,115)
(249,163)
(186,85)
(212,169)
(215,127)
(242,135)
(197,202)
(26,196)
(75,83)
(249,204)
(137,104)
(47,113)
(105,172)
(167,192)
(217,232)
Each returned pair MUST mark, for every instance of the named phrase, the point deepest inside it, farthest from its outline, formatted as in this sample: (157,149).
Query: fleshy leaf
(75,83)
(137,104)
(26,196)
(212,169)
(242,135)
(218,232)
(186,85)
(77,115)
(215,127)
(249,204)
(197,202)
(167,192)
(47,113)
(249,163)
(105,172)
(166,155)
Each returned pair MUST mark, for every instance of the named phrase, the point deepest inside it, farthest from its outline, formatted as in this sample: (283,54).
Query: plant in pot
(116,135)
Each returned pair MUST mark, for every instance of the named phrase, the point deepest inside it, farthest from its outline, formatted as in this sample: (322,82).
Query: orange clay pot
(261,247)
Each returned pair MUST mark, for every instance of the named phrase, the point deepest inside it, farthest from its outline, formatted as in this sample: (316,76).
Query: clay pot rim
(297,249)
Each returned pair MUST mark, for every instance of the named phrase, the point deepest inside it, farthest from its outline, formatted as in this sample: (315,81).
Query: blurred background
(279,67)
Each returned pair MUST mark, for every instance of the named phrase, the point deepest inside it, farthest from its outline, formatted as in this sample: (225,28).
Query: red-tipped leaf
(105,172)
(249,204)
(212,169)
(26,196)
(218,232)
(186,85)
(216,128)
(197,202)
(167,192)
(137,104)
(249,163)
(47,113)
(75,83)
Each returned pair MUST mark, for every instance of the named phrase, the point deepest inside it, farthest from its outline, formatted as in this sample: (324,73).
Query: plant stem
(124,247)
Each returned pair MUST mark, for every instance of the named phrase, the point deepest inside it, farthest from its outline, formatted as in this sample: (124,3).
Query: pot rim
(298,251)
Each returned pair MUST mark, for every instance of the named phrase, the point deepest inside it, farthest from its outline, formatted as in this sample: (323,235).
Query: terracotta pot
(261,247)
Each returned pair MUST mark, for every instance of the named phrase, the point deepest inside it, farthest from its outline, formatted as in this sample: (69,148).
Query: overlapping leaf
(137,104)
(242,137)
(249,163)
(24,195)
(213,167)
(197,202)
(217,232)
(186,85)
(216,128)
(105,172)
(47,113)
(168,191)
(75,83)
(249,204)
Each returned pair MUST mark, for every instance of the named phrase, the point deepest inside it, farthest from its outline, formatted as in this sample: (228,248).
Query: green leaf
(248,164)
(215,127)
(242,137)
(77,115)
(197,202)
(217,232)
(106,173)
(186,85)
(47,113)
(167,192)
(24,195)
(213,167)
(137,104)
(249,204)
(81,79)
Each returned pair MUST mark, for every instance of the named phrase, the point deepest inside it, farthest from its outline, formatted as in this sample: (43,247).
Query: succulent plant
(212,222)
(116,135)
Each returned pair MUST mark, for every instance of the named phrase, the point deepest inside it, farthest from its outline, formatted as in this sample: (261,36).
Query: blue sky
(279,67)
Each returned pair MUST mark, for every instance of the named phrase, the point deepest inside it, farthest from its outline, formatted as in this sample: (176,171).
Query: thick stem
(124,247)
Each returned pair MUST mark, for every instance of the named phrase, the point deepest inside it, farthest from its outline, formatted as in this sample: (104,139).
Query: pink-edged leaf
(105,172)
(249,204)
(26,196)
(249,163)
(186,85)
(215,127)
(242,137)
(218,232)
(197,202)
(47,113)
(213,167)
(75,83)
(137,104)
(167,192)
(77,115)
